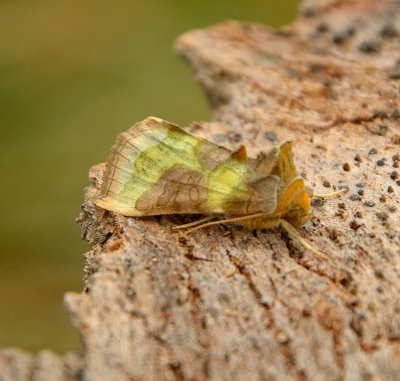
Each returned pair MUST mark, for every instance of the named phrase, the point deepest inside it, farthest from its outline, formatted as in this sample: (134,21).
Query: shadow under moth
(157,168)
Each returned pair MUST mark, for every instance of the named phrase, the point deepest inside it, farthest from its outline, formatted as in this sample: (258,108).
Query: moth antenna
(226,220)
(325,195)
(194,223)
(294,234)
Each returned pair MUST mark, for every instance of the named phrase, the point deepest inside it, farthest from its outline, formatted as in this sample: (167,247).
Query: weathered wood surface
(17,365)
(230,304)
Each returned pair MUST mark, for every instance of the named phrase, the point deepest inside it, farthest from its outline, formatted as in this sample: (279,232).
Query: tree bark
(226,303)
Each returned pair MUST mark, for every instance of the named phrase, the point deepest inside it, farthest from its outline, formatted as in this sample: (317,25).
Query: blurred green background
(73,75)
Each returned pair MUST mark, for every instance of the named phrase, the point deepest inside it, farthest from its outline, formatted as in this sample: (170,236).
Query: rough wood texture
(21,366)
(230,304)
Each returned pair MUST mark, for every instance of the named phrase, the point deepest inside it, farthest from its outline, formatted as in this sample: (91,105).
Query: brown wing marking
(178,191)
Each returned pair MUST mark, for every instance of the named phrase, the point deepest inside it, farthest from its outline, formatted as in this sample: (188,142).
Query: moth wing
(158,168)
(286,168)
(230,192)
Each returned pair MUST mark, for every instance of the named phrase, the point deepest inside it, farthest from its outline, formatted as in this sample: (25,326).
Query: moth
(157,168)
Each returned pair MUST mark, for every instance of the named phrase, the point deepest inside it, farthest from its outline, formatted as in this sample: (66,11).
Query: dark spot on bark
(389,31)
(381,162)
(369,47)
(130,293)
(379,274)
(372,151)
(395,114)
(271,136)
(357,158)
(316,68)
(360,192)
(396,139)
(322,27)
(309,12)
(234,136)
(339,37)
(326,183)
(379,114)
(342,36)
(317,202)
(355,225)
(355,197)
(356,326)
(106,237)
(358,214)
(346,167)
(383,198)
(360,185)
(390,189)
(394,175)
(351,31)
(382,129)
(395,73)
(383,216)
(222,297)
(342,205)
(370,204)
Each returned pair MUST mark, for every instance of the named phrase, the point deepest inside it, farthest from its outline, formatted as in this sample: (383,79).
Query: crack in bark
(175,366)
(281,338)
(335,283)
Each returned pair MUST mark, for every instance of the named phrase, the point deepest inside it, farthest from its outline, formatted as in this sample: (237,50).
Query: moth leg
(325,195)
(225,221)
(270,223)
(267,223)
(194,223)
(294,234)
